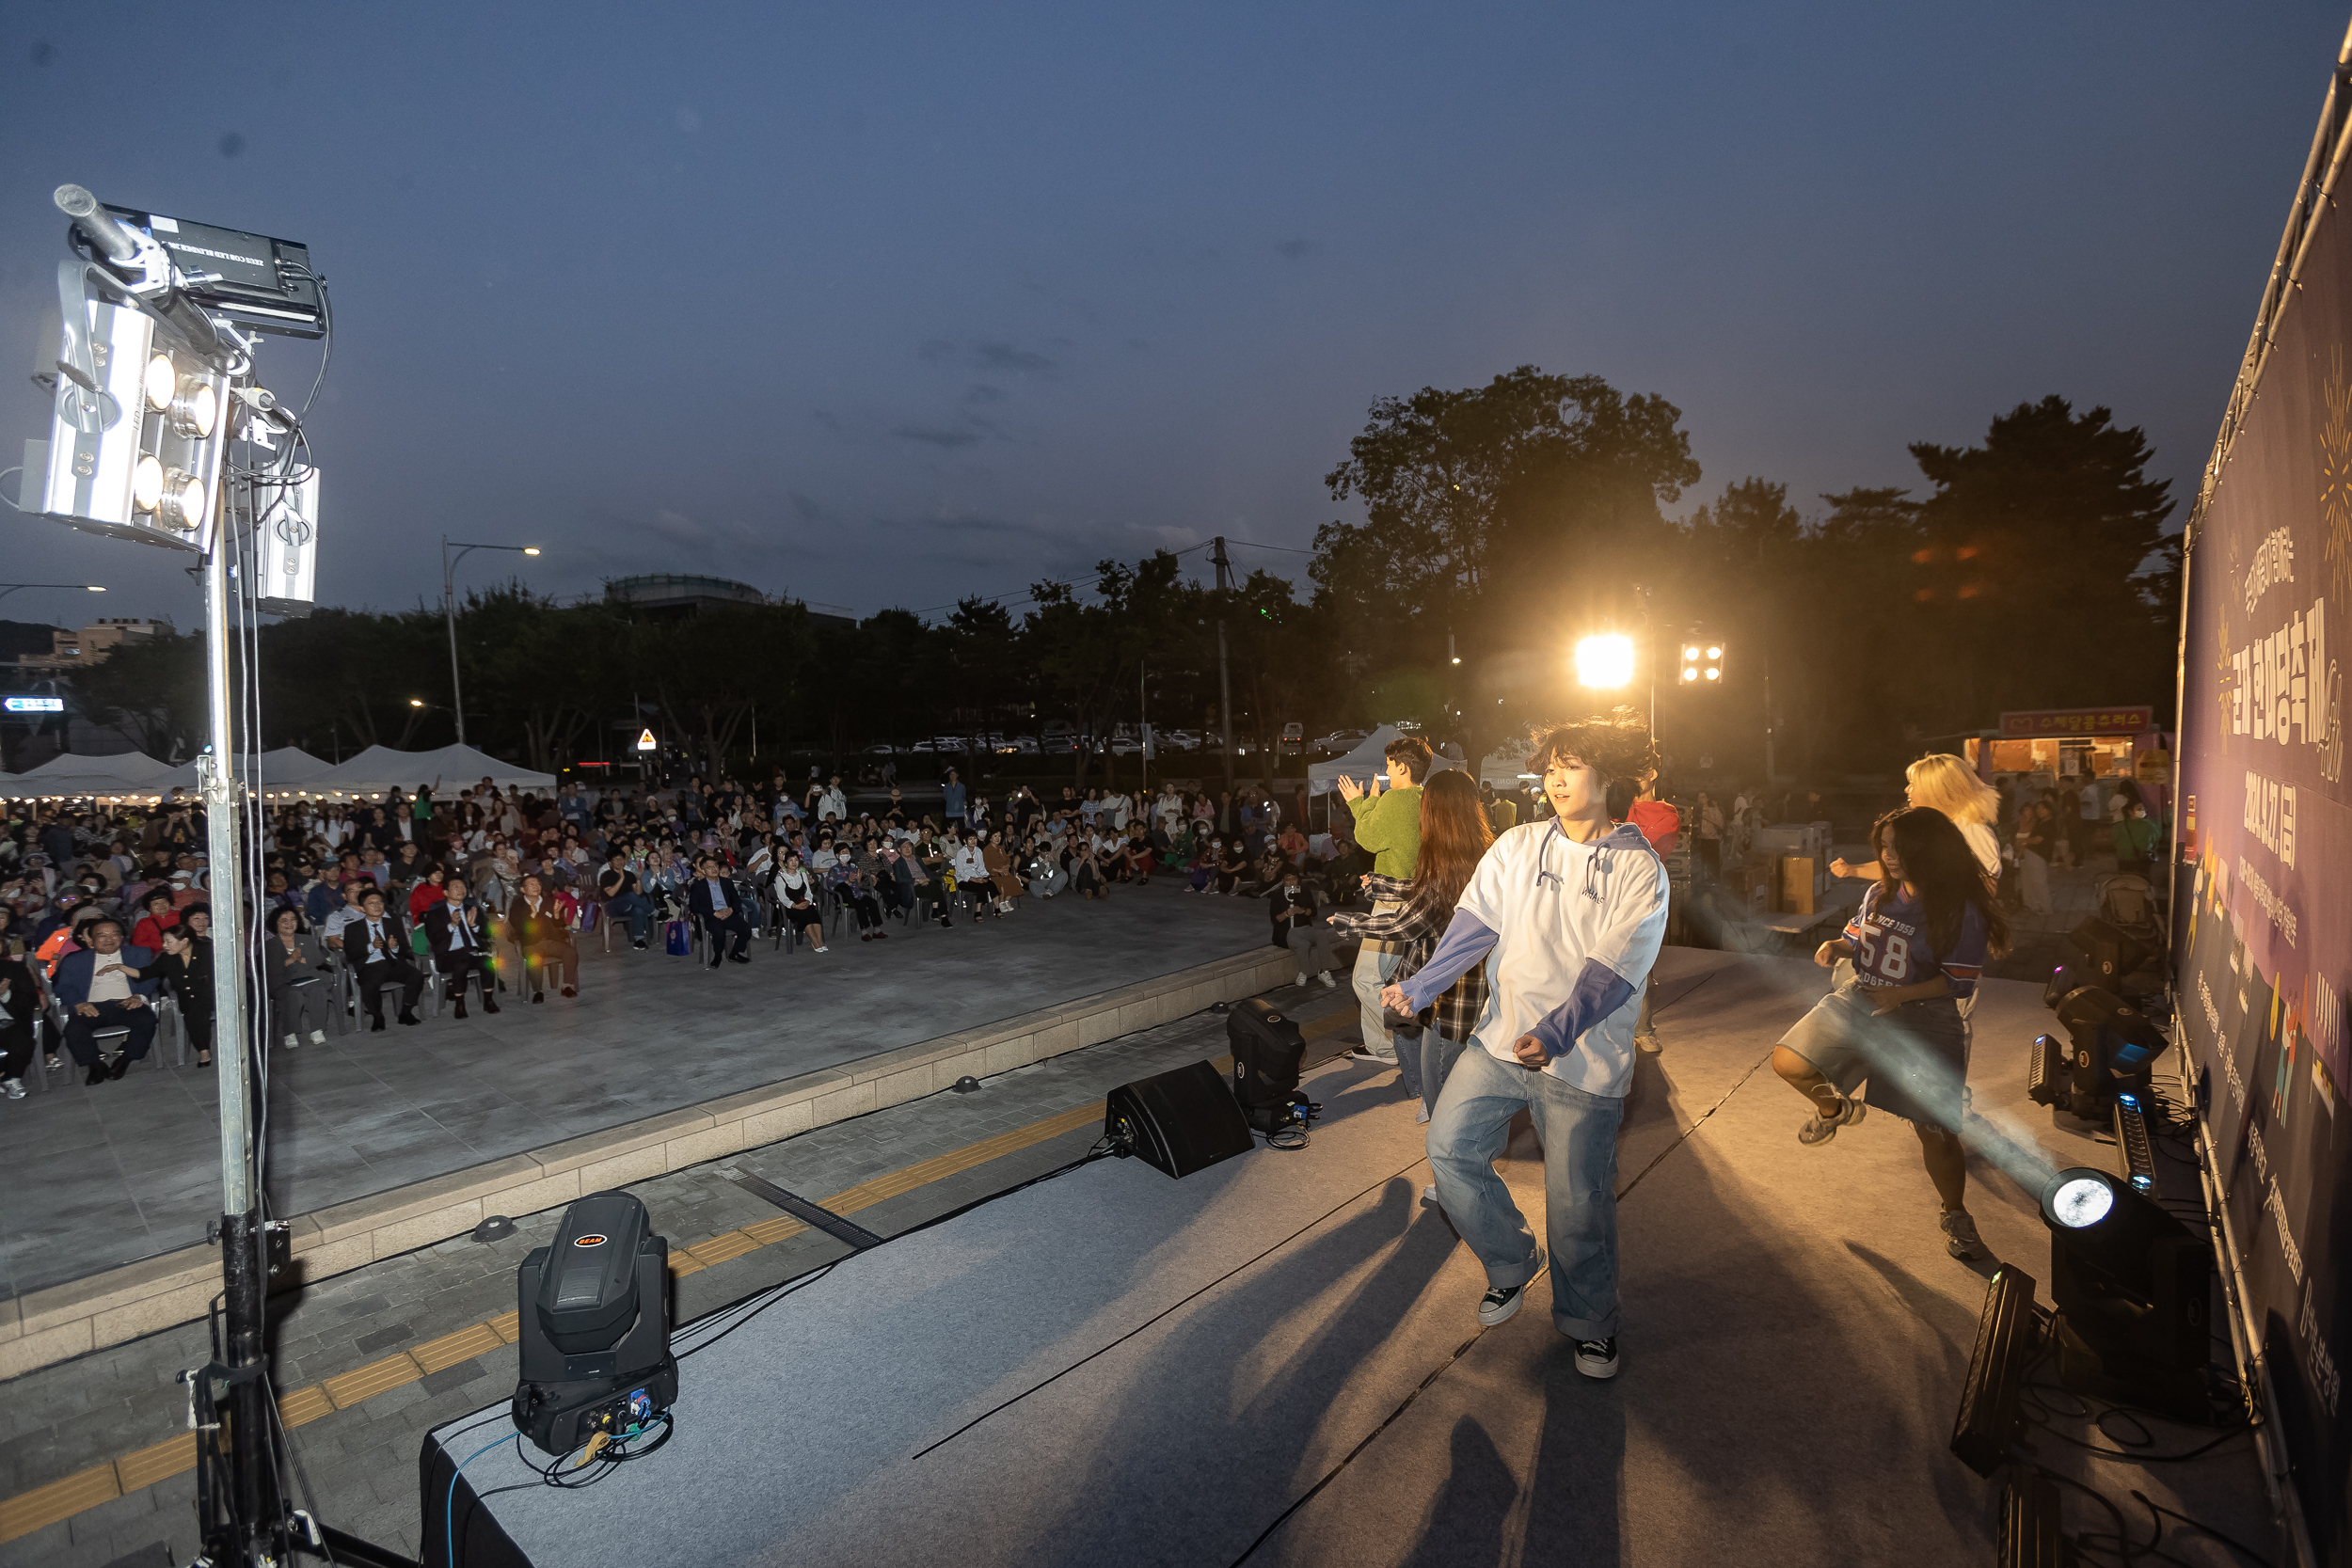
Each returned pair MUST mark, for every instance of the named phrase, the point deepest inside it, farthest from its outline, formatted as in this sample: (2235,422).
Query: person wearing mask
(187,968)
(1916,946)
(105,985)
(1568,915)
(1454,836)
(1297,914)
(292,969)
(2138,843)
(1388,826)
(716,903)
(457,934)
(1663,826)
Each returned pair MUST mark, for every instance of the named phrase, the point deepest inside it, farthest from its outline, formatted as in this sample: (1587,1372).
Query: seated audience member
(997,861)
(185,965)
(157,915)
(854,889)
(426,895)
(294,963)
(796,902)
(1232,864)
(622,900)
(457,933)
(106,985)
(535,923)
(376,945)
(716,902)
(918,889)
(1086,873)
(1297,920)
(20,1011)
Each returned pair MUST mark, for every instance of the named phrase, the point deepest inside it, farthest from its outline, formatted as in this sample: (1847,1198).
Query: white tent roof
(1363,763)
(379,769)
(1503,768)
(291,765)
(123,767)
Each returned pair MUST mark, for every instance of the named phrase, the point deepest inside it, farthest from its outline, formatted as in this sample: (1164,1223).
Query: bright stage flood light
(2133,1286)
(1604,661)
(1702,661)
(593,1326)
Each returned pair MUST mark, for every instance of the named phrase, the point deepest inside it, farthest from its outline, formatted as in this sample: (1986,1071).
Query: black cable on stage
(1171,1307)
(805,1280)
(2156,1508)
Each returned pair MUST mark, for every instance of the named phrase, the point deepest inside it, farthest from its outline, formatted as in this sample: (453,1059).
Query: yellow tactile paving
(717,1250)
(44,1506)
(508,1326)
(166,1459)
(304,1406)
(373,1378)
(449,1349)
(769,1233)
(866,1195)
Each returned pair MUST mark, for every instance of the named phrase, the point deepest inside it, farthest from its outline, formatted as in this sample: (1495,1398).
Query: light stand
(152,383)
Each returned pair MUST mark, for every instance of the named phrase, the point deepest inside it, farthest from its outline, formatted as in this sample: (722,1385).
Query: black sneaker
(1597,1358)
(1502,1301)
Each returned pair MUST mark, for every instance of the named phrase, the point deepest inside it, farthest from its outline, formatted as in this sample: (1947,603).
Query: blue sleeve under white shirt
(1568,933)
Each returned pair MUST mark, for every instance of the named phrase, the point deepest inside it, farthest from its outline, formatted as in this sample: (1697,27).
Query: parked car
(1294,738)
(1339,741)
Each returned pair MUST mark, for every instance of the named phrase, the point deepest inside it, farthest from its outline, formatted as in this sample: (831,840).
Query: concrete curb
(65,1321)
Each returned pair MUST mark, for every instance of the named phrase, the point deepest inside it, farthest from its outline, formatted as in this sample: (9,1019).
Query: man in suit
(103,986)
(375,943)
(458,932)
(719,908)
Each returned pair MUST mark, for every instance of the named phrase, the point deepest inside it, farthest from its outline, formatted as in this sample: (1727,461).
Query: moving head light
(595,1327)
(2107,1050)
(2134,1289)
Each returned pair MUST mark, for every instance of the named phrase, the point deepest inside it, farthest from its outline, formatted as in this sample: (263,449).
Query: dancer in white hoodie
(1568,916)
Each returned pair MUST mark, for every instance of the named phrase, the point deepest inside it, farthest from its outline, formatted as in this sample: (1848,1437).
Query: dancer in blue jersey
(1917,944)
(1567,915)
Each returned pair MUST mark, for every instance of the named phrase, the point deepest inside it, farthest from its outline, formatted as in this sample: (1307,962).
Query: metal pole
(1143,736)
(1224,680)
(448,613)
(242,1273)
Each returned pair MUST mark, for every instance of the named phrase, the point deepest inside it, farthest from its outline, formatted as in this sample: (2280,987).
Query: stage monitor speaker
(1179,1121)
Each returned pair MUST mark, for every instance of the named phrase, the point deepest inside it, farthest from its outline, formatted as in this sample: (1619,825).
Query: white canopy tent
(68,775)
(380,767)
(1363,763)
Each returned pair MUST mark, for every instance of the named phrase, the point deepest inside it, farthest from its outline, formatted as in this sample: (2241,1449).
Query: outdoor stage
(1277,1358)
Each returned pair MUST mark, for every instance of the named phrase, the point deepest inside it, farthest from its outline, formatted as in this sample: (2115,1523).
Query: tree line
(1496,526)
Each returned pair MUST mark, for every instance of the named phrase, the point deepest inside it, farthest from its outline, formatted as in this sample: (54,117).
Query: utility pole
(1143,736)
(1224,679)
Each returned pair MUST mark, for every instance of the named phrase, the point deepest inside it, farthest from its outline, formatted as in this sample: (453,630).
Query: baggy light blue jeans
(1579,1136)
(1373,971)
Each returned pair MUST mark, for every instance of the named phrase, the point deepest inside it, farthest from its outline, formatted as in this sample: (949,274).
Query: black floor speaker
(1179,1121)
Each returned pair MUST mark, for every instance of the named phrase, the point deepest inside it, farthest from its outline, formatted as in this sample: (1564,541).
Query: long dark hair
(1937,861)
(1453,837)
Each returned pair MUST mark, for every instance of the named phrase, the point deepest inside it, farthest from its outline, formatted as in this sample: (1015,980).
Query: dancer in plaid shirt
(1453,837)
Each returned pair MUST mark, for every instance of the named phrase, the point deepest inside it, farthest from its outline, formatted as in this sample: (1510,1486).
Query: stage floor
(127,1170)
(1277,1360)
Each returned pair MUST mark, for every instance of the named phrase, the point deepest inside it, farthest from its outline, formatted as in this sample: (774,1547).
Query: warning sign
(645,742)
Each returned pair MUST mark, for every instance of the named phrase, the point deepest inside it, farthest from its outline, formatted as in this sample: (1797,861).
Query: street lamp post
(448,613)
(8,587)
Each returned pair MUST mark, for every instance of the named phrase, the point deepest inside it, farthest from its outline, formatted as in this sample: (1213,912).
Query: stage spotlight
(2133,1287)
(194,409)
(1702,661)
(1986,1432)
(2032,1533)
(183,506)
(163,382)
(1604,661)
(593,1326)
(147,484)
(2109,1048)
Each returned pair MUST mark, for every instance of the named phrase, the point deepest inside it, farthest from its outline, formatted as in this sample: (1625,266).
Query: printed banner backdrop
(2265,933)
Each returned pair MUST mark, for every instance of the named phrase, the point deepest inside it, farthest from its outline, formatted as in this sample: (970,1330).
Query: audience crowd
(492,891)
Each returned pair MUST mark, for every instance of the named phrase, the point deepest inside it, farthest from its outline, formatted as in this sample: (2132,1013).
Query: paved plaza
(128,1170)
